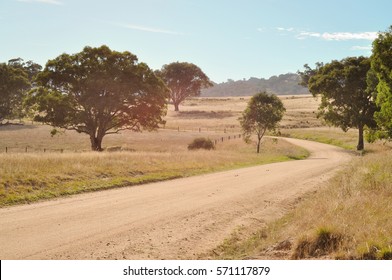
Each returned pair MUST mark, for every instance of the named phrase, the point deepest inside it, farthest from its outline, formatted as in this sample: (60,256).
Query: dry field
(350,215)
(199,117)
(63,165)
(219,114)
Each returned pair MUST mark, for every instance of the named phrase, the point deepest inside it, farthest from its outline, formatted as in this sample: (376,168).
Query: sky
(226,39)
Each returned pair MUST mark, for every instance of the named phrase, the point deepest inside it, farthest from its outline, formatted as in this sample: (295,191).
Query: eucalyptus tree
(346,101)
(98,92)
(184,80)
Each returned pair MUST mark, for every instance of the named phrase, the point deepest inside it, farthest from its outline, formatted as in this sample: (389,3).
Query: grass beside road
(348,219)
(28,177)
(332,136)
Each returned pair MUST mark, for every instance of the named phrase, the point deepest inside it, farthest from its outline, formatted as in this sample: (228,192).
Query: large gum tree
(346,100)
(99,91)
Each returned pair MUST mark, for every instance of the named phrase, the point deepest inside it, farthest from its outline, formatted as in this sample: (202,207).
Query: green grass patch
(346,140)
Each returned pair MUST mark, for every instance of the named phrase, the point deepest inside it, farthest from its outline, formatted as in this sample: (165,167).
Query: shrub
(201,143)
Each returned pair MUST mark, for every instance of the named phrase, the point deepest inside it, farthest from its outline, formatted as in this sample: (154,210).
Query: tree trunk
(96,143)
(360,145)
(176,107)
(258,144)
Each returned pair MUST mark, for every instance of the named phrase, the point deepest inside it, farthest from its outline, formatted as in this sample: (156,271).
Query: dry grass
(356,205)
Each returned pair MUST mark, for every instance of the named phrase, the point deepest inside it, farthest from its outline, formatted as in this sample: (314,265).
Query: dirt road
(177,219)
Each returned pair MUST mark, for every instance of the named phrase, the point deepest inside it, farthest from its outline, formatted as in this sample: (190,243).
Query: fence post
(26,149)
(199,129)
(6,149)
(62,150)
(44,150)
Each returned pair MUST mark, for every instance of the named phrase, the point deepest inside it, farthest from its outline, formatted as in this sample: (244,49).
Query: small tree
(184,80)
(264,111)
(98,92)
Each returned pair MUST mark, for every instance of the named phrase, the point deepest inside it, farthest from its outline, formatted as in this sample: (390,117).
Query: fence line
(201,129)
(30,149)
(27,149)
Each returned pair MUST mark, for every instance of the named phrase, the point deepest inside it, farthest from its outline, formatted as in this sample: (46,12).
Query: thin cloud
(330,36)
(361,48)
(342,36)
(51,2)
(304,35)
(149,29)
(290,29)
(338,36)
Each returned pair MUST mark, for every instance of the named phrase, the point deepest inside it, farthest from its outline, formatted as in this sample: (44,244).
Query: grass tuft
(323,243)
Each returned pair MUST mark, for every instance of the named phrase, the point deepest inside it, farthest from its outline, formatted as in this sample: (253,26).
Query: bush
(201,143)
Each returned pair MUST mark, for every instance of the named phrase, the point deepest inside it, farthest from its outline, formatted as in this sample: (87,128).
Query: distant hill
(286,84)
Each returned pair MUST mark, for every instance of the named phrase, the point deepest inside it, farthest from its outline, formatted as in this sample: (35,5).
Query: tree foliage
(184,80)
(381,63)
(14,81)
(30,67)
(263,113)
(308,73)
(346,101)
(98,92)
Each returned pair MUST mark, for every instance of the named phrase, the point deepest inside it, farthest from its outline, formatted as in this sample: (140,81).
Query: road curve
(177,219)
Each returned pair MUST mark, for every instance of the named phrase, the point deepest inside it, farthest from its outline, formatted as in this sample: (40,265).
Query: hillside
(285,84)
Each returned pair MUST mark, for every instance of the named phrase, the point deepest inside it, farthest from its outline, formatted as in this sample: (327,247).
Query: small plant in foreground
(201,143)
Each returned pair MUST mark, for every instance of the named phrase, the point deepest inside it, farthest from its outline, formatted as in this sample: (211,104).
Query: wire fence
(223,136)
(234,133)
(29,149)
